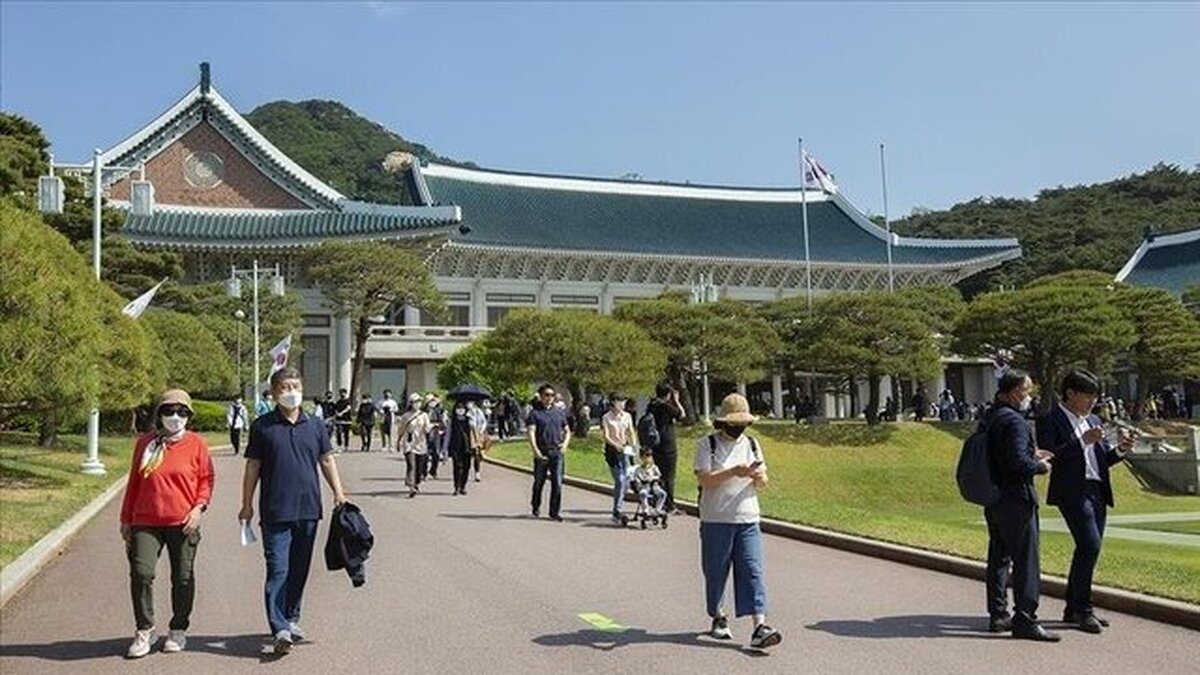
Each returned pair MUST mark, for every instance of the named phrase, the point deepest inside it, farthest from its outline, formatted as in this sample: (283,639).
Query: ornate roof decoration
(1169,261)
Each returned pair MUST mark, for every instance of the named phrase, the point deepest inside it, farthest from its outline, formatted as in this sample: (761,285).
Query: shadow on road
(909,626)
(238,646)
(607,641)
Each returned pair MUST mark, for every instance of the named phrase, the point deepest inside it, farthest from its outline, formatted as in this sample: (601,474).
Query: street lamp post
(704,291)
(255,274)
(92,465)
(240,316)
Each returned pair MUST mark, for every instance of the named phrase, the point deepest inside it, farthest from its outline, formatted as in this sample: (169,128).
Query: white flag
(815,174)
(279,355)
(135,308)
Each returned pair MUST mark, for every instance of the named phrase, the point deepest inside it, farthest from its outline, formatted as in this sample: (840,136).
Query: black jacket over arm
(1056,434)
(1010,451)
(349,543)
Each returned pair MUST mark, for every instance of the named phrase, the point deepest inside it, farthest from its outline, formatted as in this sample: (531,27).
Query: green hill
(339,146)
(1064,228)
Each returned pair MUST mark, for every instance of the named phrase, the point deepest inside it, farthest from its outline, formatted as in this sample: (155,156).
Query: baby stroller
(646,486)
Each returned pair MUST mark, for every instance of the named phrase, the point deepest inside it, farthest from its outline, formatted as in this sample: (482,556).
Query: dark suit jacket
(1010,452)
(1055,433)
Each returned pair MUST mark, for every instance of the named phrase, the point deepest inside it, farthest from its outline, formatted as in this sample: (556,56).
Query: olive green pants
(144,548)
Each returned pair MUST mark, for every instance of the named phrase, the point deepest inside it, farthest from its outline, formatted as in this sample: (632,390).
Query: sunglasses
(547,394)
(181,410)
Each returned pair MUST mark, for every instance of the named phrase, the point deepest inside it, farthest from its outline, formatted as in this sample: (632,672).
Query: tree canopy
(194,359)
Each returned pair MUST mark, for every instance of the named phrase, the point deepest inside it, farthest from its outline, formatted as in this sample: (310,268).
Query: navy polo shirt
(550,426)
(290,487)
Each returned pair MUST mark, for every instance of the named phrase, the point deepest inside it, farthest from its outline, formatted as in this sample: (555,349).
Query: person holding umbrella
(460,430)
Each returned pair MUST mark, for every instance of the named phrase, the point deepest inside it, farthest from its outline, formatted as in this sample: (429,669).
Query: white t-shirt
(618,427)
(389,407)
(734,500)
(416,426)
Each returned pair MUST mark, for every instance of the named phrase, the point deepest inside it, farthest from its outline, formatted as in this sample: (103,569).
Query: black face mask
(734,431)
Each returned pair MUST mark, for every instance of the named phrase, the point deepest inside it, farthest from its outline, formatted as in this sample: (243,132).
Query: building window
(574,300)
(496,314)
(617,301)
(459,315)
(512,298)
(314,363)
(457,297)
(317,321)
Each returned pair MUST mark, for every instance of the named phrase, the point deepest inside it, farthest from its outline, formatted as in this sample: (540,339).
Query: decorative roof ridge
(1157,241)
(371,208)
(152,127)
(618,186)
(860,219)
(996,256)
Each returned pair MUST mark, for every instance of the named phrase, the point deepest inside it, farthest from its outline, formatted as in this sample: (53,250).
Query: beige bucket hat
(174,396)
(735,409)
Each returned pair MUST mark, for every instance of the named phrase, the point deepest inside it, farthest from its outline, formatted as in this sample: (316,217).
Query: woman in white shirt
(618,448)
(412,434)
(388,407)
(730,469)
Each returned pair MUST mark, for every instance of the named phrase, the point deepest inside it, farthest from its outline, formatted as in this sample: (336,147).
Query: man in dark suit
(1013,520)
(1080,486)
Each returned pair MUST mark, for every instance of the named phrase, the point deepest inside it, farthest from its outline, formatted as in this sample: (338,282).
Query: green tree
(195,360)
(1046,329)
(476,363)
(734,342)
(23,157)
(1167,347)
(1191,298)
(361,280)
(580,350)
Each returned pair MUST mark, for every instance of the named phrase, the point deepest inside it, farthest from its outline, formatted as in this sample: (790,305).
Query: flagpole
(257,347)
(804,217)
(887,223)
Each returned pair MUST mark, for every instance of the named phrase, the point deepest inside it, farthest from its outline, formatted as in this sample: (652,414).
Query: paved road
(474,585)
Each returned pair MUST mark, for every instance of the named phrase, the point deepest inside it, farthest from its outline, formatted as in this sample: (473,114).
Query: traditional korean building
(224,195)
(1167,261)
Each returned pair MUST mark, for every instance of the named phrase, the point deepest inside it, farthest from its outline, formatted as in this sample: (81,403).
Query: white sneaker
(143,640)
(176,642)
(297,632)
(283,642)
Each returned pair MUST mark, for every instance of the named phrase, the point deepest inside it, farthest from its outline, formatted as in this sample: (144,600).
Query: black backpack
(974,473)
(647,431)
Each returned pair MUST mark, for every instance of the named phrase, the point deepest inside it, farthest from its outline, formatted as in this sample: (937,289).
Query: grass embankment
(896,483)
(40,488)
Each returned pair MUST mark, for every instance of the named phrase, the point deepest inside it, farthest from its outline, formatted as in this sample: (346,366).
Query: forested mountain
(339,146)
(1083,227)
(1064,228)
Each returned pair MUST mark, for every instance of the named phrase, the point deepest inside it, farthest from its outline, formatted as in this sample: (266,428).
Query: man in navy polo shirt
(285,450)
(548,434)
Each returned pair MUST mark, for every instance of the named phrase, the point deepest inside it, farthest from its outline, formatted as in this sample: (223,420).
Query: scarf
(156,452)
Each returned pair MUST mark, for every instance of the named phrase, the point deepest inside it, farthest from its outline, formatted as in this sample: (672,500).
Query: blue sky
(971,99)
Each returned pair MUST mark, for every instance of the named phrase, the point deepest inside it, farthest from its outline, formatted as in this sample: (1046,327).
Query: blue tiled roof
(1172,266)
(727,225)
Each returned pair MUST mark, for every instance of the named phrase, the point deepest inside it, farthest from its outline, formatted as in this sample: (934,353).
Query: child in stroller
(646,481)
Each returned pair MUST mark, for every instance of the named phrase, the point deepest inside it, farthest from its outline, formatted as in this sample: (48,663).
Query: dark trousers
(552,467)
(1013,540)
(144,547)
(462,469)
(415,464)
(1085,518)
(666,461)
(367,430)
(343,434)
(435,454)
(235,439)
(288,548)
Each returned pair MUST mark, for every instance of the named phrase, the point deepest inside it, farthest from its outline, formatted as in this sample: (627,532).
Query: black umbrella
(470,392)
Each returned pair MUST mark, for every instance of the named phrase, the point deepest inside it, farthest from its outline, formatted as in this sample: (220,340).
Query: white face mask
(173,424)
(290,400)
(1025,404)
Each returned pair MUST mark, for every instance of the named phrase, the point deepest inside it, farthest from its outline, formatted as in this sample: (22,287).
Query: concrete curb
(17,574)
(1128,602)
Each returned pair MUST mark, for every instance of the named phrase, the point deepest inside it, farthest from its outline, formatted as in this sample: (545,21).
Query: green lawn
(896,483)
(39,488)
(1180,527)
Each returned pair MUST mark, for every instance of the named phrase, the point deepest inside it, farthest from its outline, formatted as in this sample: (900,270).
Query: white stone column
(777,395)
(412,316)
(606,300)
(741,388)
(343,346)
(478,305)
(543,296)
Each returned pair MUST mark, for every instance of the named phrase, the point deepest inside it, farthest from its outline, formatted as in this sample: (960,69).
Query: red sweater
(170,492)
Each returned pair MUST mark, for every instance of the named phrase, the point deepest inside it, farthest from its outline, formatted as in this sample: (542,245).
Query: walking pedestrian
(265,405)
(413,433)
(342,412)
(366,421)
(1080,486)
(478,417)
(437,434)
(618,449)
(168,490)
(459,444)
(1012,521)
(236,419)
(388,408)
(287,449)
(730,469)
(664,410)
(549,435)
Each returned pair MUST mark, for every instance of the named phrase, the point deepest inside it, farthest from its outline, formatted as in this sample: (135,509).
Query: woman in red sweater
(170,484)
